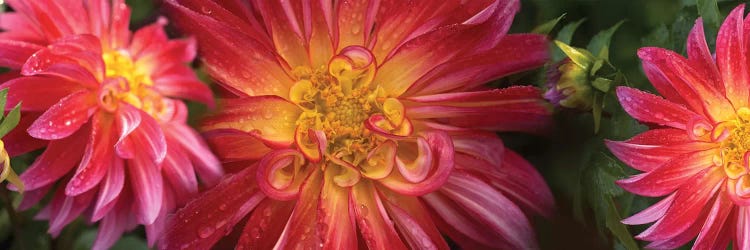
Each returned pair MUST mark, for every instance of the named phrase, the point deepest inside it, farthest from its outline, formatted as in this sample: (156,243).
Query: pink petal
(514,53)
(109,189)
(375,226)
(261,230)
(493,210)
(731,59)
(114,225)
(184,86)
(700,56)
(128,119)
(234,145)
(487,146)
(443,154)
(205,163)
(149,139)
(651,213)
(742,240)
(303,223)
(206,220)
(413,222)
(96,158)
(717,217)
(65,209)
(646,156)
(13,53)
(336,220)
(226,55)
(649,108)
(147,187)
(458,224)
(148,37)
(65,117)
(178,171)
(57,160)
(670,176)
(689,201)
(38,93)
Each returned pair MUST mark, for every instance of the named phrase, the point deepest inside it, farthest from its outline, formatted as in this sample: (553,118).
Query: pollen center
(126,82)
(736,145)
(348,121)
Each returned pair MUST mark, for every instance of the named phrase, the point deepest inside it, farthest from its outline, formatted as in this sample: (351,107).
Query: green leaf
(596,111)
(3,99)
(599,45)
(709,10)
(566,33)
(602,84)
(547,27)
(618,229)
(581,57)
(11,120)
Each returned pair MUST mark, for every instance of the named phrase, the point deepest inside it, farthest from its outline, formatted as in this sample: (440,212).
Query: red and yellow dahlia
(365,124)
(101,99)
(697,154)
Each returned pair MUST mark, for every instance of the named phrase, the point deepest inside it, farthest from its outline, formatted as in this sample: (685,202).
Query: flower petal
(413,222)
(110,189)
(203,160)
(643,154)
(57,160)
(514,53)
(670,176)
(38,93)
(65,117)
(184,86)
(709,234)
(234,145)
(731,58)
(701,57)
(14,53)
(652,213)
(226,57)
(375,225)
(649,108)
(493,210)
(204,221)
(97,157)
(270,117)
(442,164)
(687,205)
(261,230)
(336,223)
(302,228)
(178,170)
(147,184)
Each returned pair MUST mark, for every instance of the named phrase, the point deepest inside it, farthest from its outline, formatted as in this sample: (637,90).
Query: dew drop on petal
(205,232)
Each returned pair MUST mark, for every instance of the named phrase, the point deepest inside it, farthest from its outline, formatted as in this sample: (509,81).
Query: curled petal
(281,174)
(312,143)
(443,156)
(380,125)
(380,161)
(417,170)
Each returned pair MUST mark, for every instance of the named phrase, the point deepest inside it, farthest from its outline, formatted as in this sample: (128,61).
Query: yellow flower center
(128,82)
(337,100)
(736,144)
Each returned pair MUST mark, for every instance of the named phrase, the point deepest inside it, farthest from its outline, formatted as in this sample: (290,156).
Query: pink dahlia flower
(365,124)
(697,154)
(100,98)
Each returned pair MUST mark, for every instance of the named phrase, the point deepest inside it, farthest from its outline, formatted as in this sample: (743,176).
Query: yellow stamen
(134,85)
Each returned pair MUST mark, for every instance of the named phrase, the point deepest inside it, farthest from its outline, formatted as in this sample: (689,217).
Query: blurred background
(573,160)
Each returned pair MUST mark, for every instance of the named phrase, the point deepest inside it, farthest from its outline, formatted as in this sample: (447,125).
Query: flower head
(102,101)
(365,118)
(697,153)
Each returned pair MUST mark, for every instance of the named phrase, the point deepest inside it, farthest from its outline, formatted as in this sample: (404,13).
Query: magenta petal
(204,161)
(688,203)
(147,186)
(496,212)
(204,221)
(731,58)
(38,93)
(188,87)
(109,189)
(149,139)
(128,119)
(441,147)
(114,225)
(56,161)
(178,171)
(65,209)
(717,217)
(13,53)
(743,228)
(96,158)
(651,213)
(647,107)
(65,117)
(670,176)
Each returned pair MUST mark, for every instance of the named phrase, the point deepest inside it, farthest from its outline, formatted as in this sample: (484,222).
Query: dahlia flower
(697,153)
(100,98)
(365,124)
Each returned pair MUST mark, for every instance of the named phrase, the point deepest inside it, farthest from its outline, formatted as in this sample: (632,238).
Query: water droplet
(205,232)
(363,210)
(206,10)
